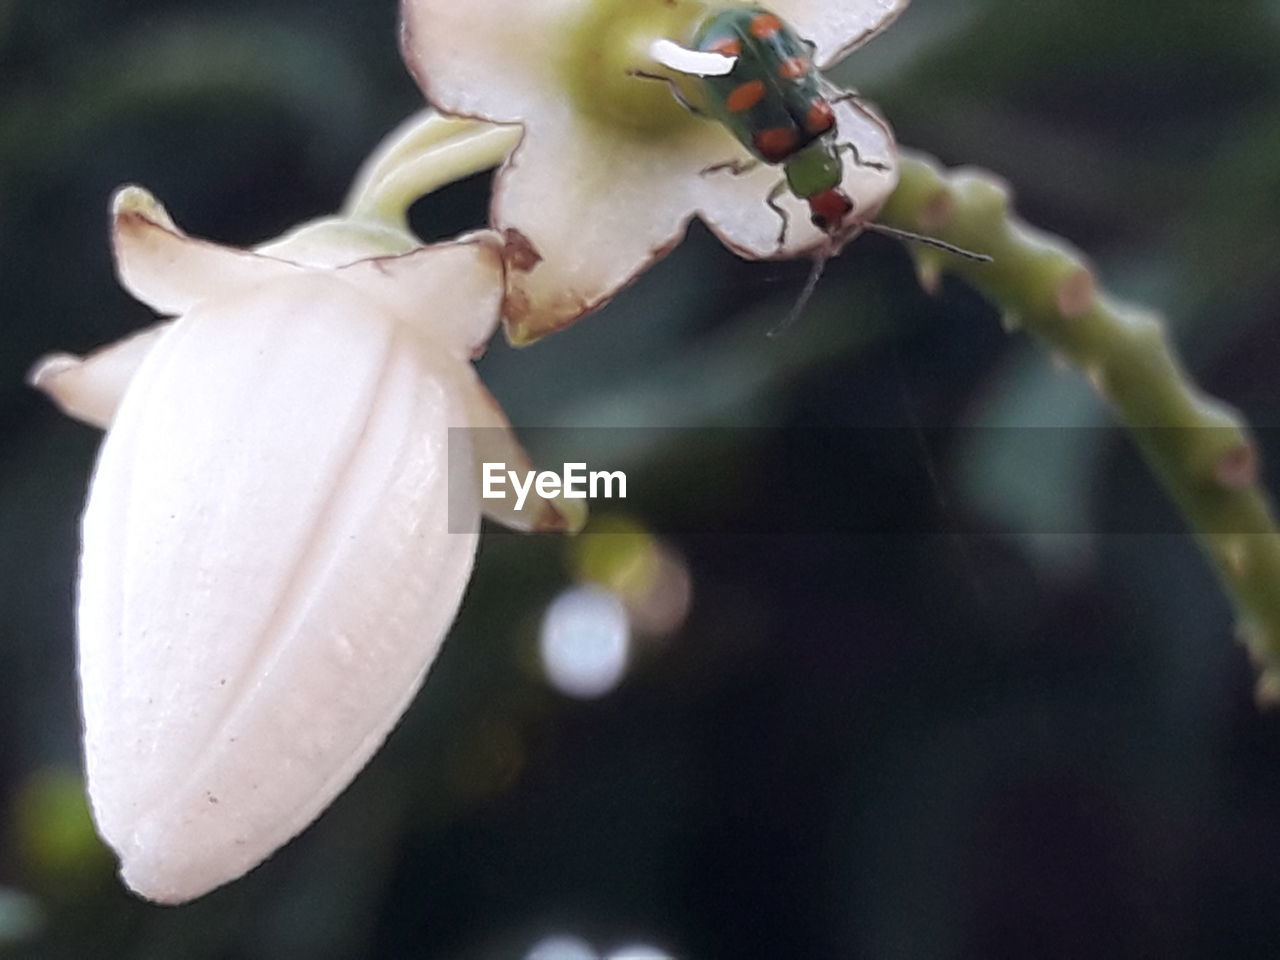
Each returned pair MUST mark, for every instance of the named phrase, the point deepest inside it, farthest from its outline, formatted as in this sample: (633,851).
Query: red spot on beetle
(726,47)
(775,144)
(820,118)
(765,25)
(745,97)
(793,68)
(829,208)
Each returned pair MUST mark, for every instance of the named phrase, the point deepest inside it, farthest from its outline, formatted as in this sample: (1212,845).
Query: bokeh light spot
(21,917)
(662,608)
(617,552)
(638,951)
(562,947)
(585,641)
(56,836)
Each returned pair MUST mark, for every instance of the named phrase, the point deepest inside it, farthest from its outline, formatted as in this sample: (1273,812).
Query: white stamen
(696,63)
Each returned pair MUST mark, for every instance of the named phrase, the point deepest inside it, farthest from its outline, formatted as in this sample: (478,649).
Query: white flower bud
(272,554)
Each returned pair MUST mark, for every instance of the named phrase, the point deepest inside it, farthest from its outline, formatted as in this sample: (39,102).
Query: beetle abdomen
(770,101)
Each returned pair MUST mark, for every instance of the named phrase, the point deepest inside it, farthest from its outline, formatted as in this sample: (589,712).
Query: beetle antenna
(802,301)
(927,241)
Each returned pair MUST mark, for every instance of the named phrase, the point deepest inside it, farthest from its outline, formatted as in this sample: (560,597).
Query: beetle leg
(735,167)
(771,201)
(838,95)
(675,91)
(857,157)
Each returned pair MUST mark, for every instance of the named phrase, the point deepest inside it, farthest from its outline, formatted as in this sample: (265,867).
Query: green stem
(425,153)
(1198,446)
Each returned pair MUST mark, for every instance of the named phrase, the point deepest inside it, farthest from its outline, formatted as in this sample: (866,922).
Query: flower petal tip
(524,324)
(155,874)
(74,387)
(134,201)
(520,334)
(44,373)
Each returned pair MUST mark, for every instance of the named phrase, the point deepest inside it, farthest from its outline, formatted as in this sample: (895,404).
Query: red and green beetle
(772,102)
(769,95)
(765,90)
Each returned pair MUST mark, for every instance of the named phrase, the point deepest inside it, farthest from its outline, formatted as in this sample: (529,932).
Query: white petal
(488,58)
(493,441)
(450,292)
(90,388)
(838,27)
(267,574)
(615,208)
(596,211)
(171,272)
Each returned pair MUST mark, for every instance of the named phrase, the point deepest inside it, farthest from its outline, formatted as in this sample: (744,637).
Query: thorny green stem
(427,152)
(1198,446)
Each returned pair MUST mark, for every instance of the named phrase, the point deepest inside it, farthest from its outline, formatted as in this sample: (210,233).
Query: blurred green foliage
(55,839)
(994,744)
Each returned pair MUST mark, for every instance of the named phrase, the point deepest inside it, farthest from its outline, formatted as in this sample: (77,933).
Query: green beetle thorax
(814,169)
(606,43)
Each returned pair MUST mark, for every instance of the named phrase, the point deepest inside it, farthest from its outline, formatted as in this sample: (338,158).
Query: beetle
(773,103)
(755,75)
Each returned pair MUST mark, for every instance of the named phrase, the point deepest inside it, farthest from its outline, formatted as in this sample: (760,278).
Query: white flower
(271,551)
(610,168)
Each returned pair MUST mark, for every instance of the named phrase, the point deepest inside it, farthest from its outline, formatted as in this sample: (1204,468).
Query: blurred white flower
(272,553)
(610,168)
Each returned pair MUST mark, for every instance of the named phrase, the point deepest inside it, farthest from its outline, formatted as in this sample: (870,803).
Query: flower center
(609,45)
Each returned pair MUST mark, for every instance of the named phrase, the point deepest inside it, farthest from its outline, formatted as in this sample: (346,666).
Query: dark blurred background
(990,740)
